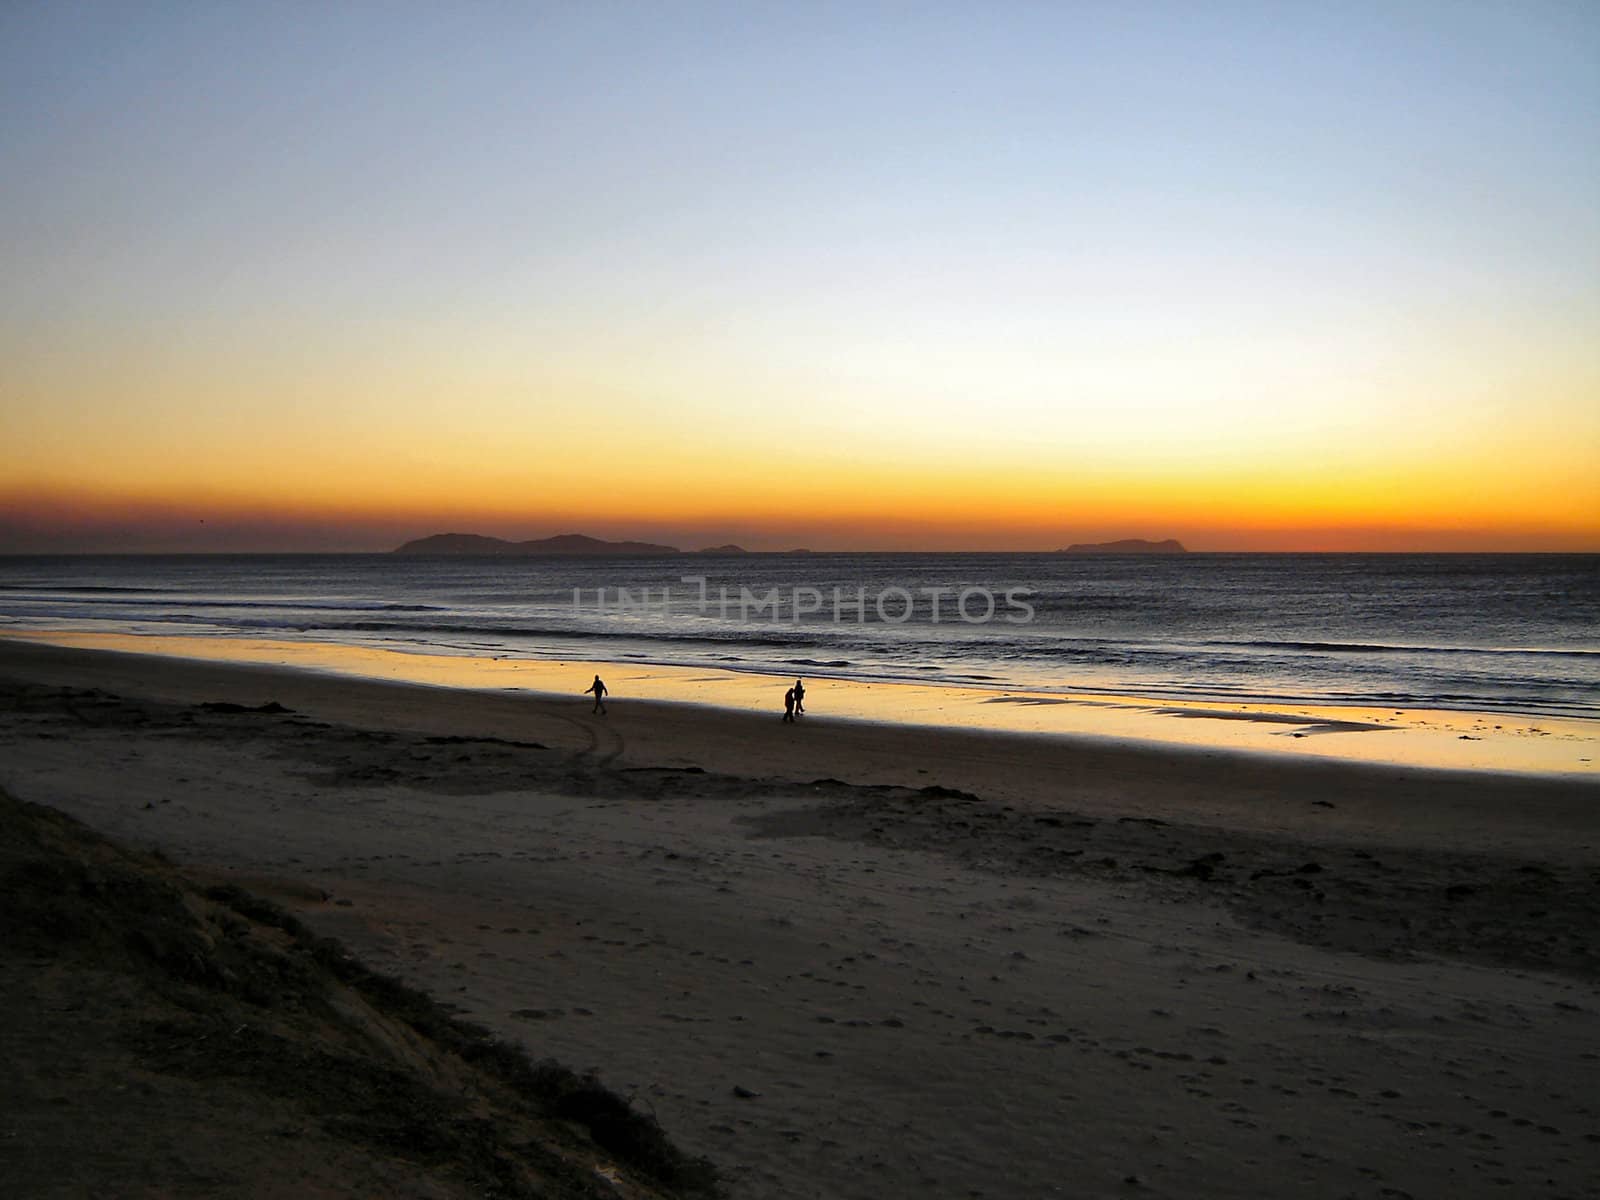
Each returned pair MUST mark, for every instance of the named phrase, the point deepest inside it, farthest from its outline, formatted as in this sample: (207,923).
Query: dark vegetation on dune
(218,987)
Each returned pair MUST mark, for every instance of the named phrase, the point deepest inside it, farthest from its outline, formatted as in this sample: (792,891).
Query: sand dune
(167,1038)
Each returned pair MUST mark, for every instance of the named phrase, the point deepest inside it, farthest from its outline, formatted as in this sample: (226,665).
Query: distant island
(569,545)
(573,545)
(1127,546)
(579,545)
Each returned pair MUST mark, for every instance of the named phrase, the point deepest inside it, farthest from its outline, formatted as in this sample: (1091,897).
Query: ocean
(1487,632)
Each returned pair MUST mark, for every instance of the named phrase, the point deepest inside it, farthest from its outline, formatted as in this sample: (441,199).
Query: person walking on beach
(799,698)
(598,687)
(788,705)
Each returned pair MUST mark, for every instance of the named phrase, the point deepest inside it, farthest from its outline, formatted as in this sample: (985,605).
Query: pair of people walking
(794,701)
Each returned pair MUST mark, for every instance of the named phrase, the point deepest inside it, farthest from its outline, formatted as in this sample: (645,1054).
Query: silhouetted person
(799,698)
(598,687)
(788,705)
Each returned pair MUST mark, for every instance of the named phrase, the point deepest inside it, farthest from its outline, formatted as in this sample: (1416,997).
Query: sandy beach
(1158,442)
(859,958)
(1455,738)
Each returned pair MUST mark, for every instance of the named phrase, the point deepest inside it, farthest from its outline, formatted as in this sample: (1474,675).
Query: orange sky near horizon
(834,507)
(844,280)
(340,455)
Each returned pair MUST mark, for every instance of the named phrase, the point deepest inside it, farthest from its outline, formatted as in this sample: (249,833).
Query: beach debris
(935,791)
(1203,867)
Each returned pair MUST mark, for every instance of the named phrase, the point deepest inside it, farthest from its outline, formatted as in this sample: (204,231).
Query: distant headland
(573,545)
(570,545)
(579,545)
(1127,546)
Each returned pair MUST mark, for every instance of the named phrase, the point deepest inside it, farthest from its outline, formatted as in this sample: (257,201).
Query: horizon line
(798,552)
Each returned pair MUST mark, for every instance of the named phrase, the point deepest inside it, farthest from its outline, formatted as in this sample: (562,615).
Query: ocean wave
(1512,634)
(289,606)
(1396,648)
(1208,658)
(77,589)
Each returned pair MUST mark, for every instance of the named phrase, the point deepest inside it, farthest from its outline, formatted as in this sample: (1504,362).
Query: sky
(1291,276)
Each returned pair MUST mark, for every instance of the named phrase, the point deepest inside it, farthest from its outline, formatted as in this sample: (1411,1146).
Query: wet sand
(1446,738)
(852,959)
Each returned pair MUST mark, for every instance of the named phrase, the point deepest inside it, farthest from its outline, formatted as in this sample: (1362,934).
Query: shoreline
(1328,798)
(1444,739)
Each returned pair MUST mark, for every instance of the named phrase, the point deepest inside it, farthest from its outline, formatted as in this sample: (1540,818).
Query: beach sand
(1448,738)
(856,959)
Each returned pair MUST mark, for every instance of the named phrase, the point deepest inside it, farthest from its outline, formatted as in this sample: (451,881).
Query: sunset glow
(877,279)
